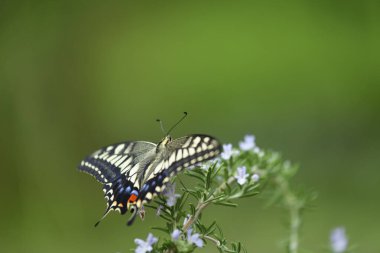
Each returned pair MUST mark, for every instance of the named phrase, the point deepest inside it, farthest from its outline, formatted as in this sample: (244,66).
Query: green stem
(295,223)
(202,204)
(294,206)
(212,239)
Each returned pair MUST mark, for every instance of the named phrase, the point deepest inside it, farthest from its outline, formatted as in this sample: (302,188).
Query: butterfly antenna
(161,125)
(176,124)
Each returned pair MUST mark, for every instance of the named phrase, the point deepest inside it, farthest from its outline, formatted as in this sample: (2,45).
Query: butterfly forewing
(108,163)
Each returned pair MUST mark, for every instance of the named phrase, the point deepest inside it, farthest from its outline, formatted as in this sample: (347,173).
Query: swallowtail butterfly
(133,172)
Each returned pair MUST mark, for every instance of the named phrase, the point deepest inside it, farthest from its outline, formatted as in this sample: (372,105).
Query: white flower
(175,234)
(338,240)
(241,175)
(170,194)
(194,239)
(227,151)
(145,246)
(248,143)
(255,177)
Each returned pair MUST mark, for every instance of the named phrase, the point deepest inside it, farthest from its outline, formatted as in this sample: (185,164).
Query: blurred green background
(303,76)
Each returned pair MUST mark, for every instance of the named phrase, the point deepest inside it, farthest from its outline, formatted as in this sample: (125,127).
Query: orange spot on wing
(132,198)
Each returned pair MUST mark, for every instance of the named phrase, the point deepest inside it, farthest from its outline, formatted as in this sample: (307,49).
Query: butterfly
(133,172)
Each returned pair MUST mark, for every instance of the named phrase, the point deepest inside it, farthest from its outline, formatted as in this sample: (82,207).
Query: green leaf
(165,230)
(197,177)
(226,203)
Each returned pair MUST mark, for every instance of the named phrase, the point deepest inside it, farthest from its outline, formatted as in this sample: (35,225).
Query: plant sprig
(239,173)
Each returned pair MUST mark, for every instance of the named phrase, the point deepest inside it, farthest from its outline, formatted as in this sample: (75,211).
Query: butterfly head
(162,144)
(168,138)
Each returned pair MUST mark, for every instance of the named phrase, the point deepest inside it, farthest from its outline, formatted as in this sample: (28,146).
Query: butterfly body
(132,173)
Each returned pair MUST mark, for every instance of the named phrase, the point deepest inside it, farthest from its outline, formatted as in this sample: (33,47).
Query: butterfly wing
(190,151)
(138,169)
(108,163)
(179,154)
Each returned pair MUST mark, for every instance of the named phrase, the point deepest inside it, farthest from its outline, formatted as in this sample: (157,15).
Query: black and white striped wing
(108,163)
(180,154)
(190,151)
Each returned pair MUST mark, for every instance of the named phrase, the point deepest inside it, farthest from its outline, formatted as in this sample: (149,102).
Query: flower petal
(175,234)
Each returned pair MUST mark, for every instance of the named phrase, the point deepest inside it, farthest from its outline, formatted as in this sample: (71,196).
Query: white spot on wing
(185,153)
(172,158)
(96,153)
(124,166)
(120,161)
(191,151)
(149,195)
(128,149)
(119,148)
(187,143)
(133,171)
(158,168)
(115,159)
(133,179)
(103,155)
(109,159)
(179,155)
(196,141)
